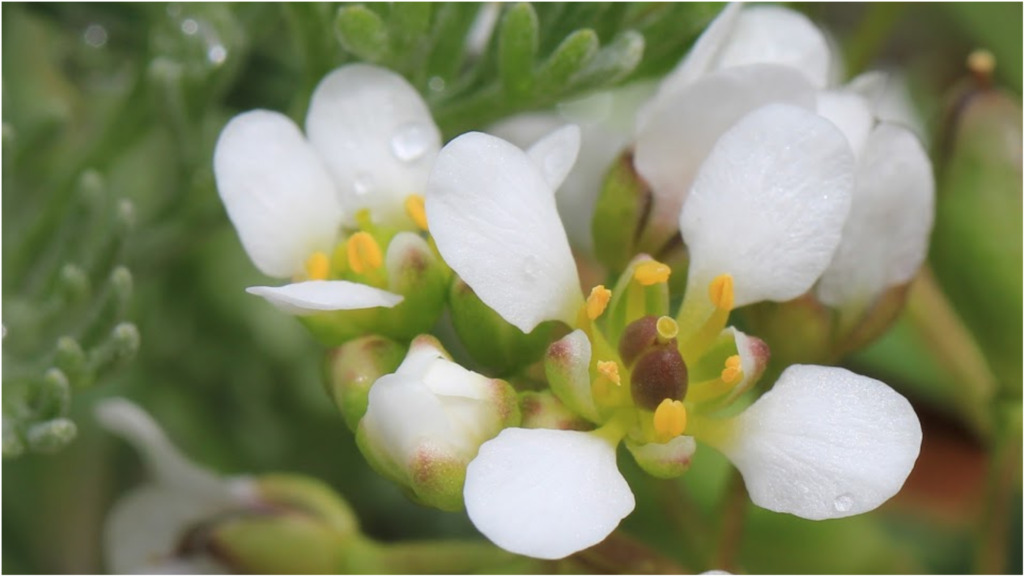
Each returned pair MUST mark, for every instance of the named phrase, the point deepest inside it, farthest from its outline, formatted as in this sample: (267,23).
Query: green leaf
(517,49)
(613,63)
(574,53)
(362,32)
(451,26)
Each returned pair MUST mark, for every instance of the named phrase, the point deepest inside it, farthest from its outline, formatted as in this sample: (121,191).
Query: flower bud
(567,367)
(353,367)
(489,338)
(545,410)
(664,460)
(621,211)
(425,423)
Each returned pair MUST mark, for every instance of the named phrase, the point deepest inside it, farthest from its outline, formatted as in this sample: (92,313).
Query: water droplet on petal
(531,267)
(843,503)
(410,142)
(362,184)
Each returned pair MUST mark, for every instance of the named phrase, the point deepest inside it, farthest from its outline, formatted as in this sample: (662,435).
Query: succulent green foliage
(477,64)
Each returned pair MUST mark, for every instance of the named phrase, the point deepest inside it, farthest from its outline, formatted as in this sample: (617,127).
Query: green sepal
(353,367)
(363,33)
(620,211)
(499,346)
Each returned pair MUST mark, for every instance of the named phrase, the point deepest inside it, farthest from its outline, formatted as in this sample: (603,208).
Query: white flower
(370,143)
(762,221)
(763,55)
(426,421)
(146,528)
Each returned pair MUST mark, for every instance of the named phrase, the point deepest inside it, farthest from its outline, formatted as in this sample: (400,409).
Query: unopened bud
(621,211)
(73,283)
(353,367)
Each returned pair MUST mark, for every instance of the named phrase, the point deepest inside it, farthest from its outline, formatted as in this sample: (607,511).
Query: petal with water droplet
(365,120)
(493,216)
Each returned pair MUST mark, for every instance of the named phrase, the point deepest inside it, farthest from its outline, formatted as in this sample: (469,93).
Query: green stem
(868,39)
(454,557)
(730,532)
(1003,479)
(620,554)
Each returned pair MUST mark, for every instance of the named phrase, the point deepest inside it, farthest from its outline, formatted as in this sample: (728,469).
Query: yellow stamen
(721,292)
(598,301)
(318,266)
(415,208)
(610,370)
(651,272)
(669,419)
(667,329)
(733,370)
(364,253)
(981,62)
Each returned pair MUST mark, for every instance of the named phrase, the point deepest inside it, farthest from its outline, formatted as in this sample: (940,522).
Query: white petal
(555,154)
(277,192)
(890,99)
(167,465)
(825,443)
(682,127)
(303,298)
(146,527)
(705,50)
(772,34)
(768,205)
(546,493)
(849,111)
(376,136)
(494,219)
(885,238)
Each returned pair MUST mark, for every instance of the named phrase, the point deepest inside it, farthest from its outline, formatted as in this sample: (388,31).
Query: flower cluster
(779,185)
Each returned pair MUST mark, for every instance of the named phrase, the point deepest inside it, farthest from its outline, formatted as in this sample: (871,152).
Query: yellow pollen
(652,272)
(667,329)
(364,253)
(609,370)
(598,301)
(414,207)
(318,266)
(721,292)
(733,369)
(669,419)
(981,62)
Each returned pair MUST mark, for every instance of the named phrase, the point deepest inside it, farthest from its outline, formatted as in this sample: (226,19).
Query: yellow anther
(721,292)
(981,62)
(651,272)
(610,370)
(318,266)
(415,208)
(364,253)
(733,369)
(667,329)
(669,419)
(598,301)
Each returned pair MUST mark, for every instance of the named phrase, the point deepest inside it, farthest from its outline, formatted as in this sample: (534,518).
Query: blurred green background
(104,103)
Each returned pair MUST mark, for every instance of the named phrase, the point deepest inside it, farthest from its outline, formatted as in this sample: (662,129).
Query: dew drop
(843,503)
(410,142)
(362,184)
(95,35)
(436,84)
(531,267)
(217,54)
(189,26)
